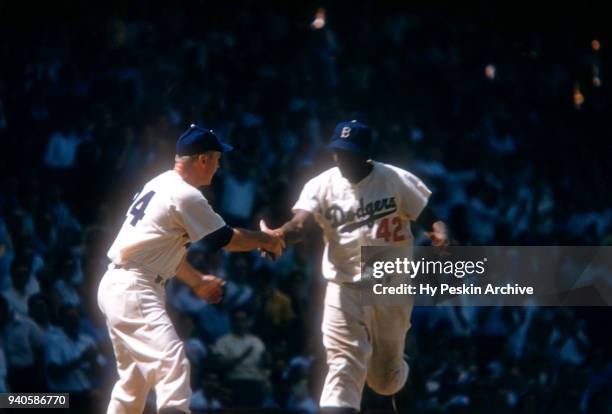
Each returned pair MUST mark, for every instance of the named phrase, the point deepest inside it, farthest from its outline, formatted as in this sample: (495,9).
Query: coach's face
(209,164)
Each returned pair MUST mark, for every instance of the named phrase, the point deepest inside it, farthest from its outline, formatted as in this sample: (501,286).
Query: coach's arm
(207,287)
(243,240)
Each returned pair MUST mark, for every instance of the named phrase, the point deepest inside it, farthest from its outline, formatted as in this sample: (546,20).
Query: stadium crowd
(506,125)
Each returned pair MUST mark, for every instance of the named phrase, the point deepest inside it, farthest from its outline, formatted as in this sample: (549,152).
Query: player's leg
(347,350)
(387,369)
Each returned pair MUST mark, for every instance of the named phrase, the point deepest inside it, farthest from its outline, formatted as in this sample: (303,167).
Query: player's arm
(438,234)
(439,231)
(307,205)
(207,287)
(414,197)
(294,230)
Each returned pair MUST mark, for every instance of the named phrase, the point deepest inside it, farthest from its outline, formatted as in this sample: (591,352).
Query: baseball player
(359,203)
(165,216)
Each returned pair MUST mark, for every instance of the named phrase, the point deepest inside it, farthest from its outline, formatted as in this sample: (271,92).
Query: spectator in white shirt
(3,370)
(61,150)
(17,295)
(239,195)
(6,254)
(23,344)
(241,354)
(38,308)
(72,360)
(66,286)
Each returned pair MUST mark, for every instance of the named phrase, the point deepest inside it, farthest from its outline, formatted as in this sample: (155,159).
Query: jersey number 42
(390,229)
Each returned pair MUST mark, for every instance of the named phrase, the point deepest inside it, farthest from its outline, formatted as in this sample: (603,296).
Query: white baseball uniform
(165,216)
(363,343)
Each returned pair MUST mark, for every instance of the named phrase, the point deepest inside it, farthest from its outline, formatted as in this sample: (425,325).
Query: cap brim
(226,148)
(346,146)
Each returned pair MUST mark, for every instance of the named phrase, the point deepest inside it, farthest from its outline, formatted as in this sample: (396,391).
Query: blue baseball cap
(352,136)
(198,140)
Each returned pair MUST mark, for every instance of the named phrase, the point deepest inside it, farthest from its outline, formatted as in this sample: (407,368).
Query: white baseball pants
(363,343)
(148,350)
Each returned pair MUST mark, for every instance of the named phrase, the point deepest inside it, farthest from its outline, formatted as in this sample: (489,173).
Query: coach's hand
(275,250)
(210,288)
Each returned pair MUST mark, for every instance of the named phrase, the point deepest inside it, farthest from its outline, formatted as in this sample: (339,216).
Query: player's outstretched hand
(210,288)
(276,249)
(438,235)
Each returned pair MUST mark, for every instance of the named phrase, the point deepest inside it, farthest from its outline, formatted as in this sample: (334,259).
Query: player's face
(349,163)
(210,164)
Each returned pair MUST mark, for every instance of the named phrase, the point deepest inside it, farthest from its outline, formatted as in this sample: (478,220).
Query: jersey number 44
(137,210)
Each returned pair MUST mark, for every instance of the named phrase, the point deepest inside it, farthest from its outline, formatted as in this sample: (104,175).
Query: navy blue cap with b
(352,136)
(198,140)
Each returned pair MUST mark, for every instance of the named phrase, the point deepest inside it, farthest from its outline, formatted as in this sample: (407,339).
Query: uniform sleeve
(413,195)
(309,198)
(197,216)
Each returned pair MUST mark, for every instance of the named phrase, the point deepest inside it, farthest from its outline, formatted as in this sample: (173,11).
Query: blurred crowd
(507,125)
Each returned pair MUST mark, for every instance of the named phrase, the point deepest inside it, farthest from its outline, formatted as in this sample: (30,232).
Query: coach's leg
(173,387)
(119,303)
(130,391)
(387,369)
(347,350)
(137,317)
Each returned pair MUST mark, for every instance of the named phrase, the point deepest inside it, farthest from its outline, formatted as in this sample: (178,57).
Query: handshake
(276,242)
(270,243)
